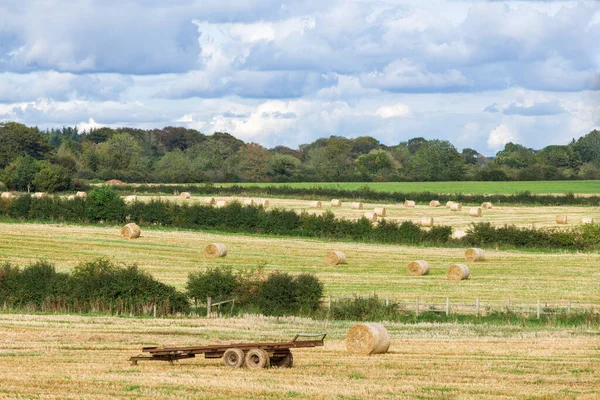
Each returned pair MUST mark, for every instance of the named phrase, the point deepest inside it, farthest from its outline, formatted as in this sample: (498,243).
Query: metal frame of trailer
(252,355)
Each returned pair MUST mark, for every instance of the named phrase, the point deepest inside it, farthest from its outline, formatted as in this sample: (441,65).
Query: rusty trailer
(252,355)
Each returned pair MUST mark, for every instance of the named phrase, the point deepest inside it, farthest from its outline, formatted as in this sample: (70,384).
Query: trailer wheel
(257,358)
(286,361)
(233,358)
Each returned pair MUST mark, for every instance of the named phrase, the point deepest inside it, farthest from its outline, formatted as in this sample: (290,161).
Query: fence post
(329,302)
(538,309)
(447,306)
(154,310)
(387,301)
(477,306)
(417,309)
(507,305)
(569,307)
(208,306)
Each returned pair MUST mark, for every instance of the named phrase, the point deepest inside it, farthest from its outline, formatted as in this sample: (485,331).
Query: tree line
(56,159)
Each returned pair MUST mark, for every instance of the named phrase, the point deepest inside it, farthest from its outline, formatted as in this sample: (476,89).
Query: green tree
(282,167)
(120,151)
(175,166)
(437,160)
(515,156)
(105,203)
(377,163)
(21,173)
(19,140)
(53,178)
(253,163)
(588,147)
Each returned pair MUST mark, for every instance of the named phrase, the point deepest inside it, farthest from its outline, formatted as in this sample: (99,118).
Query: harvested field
(84,357)
(381,269)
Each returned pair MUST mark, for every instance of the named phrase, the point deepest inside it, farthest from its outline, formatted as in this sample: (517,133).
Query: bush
(277,295)
(363,309)
(217,283)
(309,291)
(53,178)
(105,203)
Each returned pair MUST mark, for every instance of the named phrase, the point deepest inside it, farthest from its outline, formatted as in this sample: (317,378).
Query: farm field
(380,269)
(467,187)
(85,357)
(524,216)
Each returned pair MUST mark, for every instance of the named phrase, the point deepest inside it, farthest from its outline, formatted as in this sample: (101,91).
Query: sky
(477,73)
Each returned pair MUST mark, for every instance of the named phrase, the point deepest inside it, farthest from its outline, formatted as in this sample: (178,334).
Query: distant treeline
(55,159)
(366,193)
(104,204)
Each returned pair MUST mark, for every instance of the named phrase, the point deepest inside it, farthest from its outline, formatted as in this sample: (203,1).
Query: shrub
(309,291)
(53,178)
(363,309)
(218,283)
(105,203)
(277,295)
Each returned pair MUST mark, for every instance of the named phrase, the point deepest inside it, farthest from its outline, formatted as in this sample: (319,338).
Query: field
(84,357)
(536,187)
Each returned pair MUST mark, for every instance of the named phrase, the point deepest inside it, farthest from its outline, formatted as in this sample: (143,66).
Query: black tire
(286,361)
(256,359)
(233,358)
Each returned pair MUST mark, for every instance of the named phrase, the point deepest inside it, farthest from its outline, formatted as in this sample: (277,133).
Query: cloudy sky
(477,73)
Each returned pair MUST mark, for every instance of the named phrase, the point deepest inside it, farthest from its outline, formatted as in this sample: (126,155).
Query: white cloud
(87,126)
(397,110)
(500,136)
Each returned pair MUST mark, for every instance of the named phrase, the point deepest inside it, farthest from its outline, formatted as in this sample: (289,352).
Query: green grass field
(537,187)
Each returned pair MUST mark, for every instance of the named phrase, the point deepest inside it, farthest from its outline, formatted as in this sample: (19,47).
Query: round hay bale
(222,203)
(368,338)
(486,205)
(417,268)
(81,194)
(209,200)
(357,206)
(131,199)
(40,195)
(185,195)
(249,202)
(561,219)
(315,204)
(456,207)
(434,203)
(449,204)
(215,250)
(409,203)
(474,254)
(7,195)
(586,220)
(115,182)
(335,257)
(475,212)
(71,197)
(264,203)
(427,221)
(458,234)
(380,211)
(131,231)
(457,272)
(336,203)
(371,216)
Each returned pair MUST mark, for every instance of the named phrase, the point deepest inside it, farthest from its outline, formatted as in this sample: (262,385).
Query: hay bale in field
(586,220)
(486,205)
(427,221)
(81,194)
(457,272)
(7,195)
(475,212)
(371,216)
(409,203)
(215,250)
(249,202)
(449,204)
(458,234)
(367,338)
(456,207)
(185,195)
(380,211)
(434,203)
(474,254)
(315,204)
(131,231)
(417,268)
(561,219)
(71,197)
(222,203)
(40,195)
(335,257)
(263,203)
(357,206)
(209,200)
(131,199)
(336,203)
(115,182)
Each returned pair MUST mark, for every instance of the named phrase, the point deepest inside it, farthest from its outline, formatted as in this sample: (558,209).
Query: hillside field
(466,187)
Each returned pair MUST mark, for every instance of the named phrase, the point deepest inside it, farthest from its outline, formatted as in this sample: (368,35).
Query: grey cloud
(279,115)
(492,108)
(537,109)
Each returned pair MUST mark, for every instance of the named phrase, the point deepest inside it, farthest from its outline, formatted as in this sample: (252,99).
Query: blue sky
(476,73)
